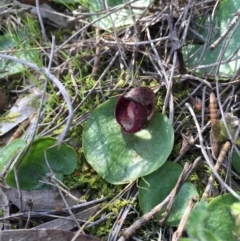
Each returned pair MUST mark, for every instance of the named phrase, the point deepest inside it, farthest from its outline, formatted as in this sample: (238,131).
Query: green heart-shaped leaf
(33,168)
(120,157)
(155,187)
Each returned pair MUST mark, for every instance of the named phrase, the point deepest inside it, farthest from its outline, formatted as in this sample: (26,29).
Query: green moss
(118,204)
(103,230)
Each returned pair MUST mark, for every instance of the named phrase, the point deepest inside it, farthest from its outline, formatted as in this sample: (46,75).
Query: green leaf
(221,222)
(181,202)
(236,161)
(196,224)
(121,17)
(33,168)
(19,42)
(195,54)
(9,151)
(235,210)
(214,222)
(120,157)
(155,187)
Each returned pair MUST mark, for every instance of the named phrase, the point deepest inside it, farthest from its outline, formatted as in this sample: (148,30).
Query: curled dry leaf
(134,108)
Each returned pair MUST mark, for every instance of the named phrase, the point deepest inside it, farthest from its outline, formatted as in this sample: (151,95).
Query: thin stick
(41,22)
(178,233)
(228,29)
(68,208)
(97,55)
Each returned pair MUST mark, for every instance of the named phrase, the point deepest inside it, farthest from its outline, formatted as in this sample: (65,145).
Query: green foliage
(20,42)
(9,151)
(117,205)
(235,210)
(236,161)
(91,183)
(214,221)
(103,230)
(181,202)
(196,55)
(195,224)
(32,27)
(120,157)
(34,168)
(119,18)
(155,187)
(151,188)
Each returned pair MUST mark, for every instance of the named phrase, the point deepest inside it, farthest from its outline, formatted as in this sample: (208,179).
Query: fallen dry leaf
(42,235)
(66,225)
(41,200)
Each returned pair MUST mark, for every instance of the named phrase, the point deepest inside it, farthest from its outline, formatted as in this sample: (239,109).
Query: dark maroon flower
(134,108)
